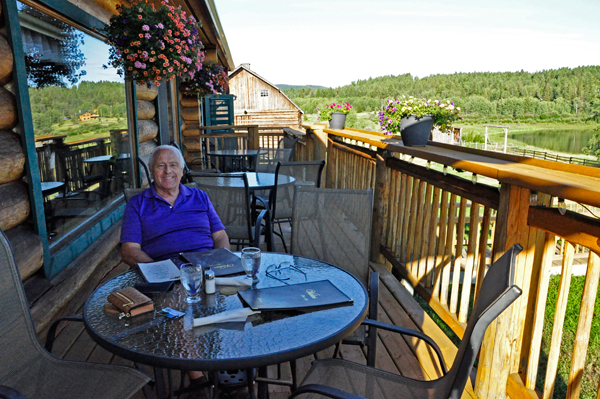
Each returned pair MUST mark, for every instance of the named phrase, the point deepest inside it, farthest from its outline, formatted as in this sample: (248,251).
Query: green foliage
(53,104)
(593,146)
(552,95)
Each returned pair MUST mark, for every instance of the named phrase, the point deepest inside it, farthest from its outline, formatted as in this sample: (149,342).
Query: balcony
(442,214)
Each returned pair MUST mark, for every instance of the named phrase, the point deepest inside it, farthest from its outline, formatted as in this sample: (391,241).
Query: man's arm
(131,253)
(220,238)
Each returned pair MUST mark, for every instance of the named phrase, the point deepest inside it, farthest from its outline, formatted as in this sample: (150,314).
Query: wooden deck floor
(394,353)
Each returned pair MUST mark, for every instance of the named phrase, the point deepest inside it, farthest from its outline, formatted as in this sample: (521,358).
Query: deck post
(501,349)
(253,137)
(380,207)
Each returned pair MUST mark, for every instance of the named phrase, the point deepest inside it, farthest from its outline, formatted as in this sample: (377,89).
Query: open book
(161,271)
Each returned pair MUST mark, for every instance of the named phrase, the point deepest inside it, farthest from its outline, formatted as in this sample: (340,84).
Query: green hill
(559,94)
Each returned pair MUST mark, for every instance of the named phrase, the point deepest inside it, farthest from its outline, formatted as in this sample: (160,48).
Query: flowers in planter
(211,79)
(326,111)
(154,44)
(443,113)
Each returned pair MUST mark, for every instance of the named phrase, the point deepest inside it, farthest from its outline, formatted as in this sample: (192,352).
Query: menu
(221,261)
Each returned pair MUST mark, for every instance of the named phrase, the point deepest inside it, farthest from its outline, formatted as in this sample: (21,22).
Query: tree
(593,146)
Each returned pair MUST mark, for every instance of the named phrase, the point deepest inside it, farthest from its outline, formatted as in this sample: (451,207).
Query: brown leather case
(131,302)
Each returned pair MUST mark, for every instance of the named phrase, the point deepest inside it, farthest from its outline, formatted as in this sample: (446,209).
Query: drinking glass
(251,262)
(191,278)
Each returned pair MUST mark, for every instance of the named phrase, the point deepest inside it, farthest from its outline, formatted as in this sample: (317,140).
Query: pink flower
(146,28)
(148,36)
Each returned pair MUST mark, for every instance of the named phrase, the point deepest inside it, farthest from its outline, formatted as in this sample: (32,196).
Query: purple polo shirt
(164,230)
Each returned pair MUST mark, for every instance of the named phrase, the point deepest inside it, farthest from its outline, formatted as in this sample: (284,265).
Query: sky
(333,43)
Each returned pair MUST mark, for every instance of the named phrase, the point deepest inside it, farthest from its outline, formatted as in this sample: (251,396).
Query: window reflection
(79,118)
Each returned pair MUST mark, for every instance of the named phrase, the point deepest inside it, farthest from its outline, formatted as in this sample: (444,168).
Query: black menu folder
(315,294)
(221,261)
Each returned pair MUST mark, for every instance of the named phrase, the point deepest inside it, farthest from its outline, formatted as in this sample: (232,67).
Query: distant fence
(511,149)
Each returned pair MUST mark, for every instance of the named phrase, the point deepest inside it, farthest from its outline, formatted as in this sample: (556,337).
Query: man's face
(166,170)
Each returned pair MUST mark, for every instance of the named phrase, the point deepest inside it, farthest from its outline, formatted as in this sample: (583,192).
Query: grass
(591,372)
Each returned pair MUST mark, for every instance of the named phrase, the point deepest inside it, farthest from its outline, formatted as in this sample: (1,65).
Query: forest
(565,94)
(52,104)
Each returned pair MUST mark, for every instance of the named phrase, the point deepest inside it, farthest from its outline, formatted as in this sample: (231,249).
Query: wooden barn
(260,102)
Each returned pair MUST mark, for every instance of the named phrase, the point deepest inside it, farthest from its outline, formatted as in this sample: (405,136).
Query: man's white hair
(166,147)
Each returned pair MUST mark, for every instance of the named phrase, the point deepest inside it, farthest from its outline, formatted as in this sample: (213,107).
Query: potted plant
(335,114)
(211,79)
(152,44)
(413,119)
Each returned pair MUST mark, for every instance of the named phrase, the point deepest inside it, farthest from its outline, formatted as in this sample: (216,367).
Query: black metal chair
(30,369)
(288,142)
(269,157)
(282,196)
(334,225)
(338,378)
(230,197)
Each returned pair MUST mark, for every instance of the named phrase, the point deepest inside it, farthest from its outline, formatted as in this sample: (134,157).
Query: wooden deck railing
(440,232)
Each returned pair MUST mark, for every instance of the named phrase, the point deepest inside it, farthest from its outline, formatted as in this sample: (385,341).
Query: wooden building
(88,116)
(260,102)
(58,271)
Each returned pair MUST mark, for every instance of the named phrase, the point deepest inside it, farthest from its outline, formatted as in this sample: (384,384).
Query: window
(264,93)
(79,115)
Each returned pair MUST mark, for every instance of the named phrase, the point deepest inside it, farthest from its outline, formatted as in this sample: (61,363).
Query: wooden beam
(516,390)
(573,227)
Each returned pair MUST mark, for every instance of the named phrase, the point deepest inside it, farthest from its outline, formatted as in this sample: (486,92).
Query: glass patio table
(263,339)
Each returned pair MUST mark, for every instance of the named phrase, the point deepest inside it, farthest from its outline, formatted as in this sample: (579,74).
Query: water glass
(251,262)
(191,279)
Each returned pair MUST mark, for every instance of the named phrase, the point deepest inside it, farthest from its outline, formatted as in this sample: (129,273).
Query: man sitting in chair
(168,218)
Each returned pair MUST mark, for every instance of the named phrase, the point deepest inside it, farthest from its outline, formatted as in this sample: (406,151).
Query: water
(251,265)
(569,141)
(192,283)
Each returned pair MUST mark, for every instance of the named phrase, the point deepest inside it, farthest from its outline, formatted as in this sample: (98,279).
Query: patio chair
(31,370)
(230,197)
(334,225)
(338,378)
(288,142)
(268,158)
(281,197)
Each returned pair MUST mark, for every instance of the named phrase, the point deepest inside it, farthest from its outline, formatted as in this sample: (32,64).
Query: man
(168,217)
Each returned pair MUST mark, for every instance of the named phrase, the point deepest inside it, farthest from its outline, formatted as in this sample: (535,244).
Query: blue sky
(333,43)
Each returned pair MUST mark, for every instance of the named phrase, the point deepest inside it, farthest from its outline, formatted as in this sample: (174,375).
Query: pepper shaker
(209,281)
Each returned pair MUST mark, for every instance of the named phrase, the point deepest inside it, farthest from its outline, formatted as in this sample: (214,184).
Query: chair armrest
(264,214)
(265,203)
(412,333)
(373,304)
(52,331)
(10,393)
(324,390)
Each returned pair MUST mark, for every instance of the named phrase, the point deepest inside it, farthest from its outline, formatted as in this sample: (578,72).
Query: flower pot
(338,120)
(415,131)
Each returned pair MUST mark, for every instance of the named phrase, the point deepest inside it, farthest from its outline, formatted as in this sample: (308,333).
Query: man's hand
(131,253)
(220,238)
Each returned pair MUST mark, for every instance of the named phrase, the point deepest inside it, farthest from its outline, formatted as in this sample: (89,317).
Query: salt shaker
(209,281)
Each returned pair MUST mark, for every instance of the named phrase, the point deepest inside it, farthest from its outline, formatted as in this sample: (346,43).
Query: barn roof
(243,67)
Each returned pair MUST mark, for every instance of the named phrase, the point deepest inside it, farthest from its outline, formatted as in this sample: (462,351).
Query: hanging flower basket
(152,44)
(211,79)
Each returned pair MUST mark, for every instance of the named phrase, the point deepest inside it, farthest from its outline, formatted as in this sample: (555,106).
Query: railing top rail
(575,182)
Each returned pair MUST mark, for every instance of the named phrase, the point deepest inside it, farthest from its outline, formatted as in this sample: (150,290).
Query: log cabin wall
(146,121)
(261,103)
(190,113)
(14,198)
